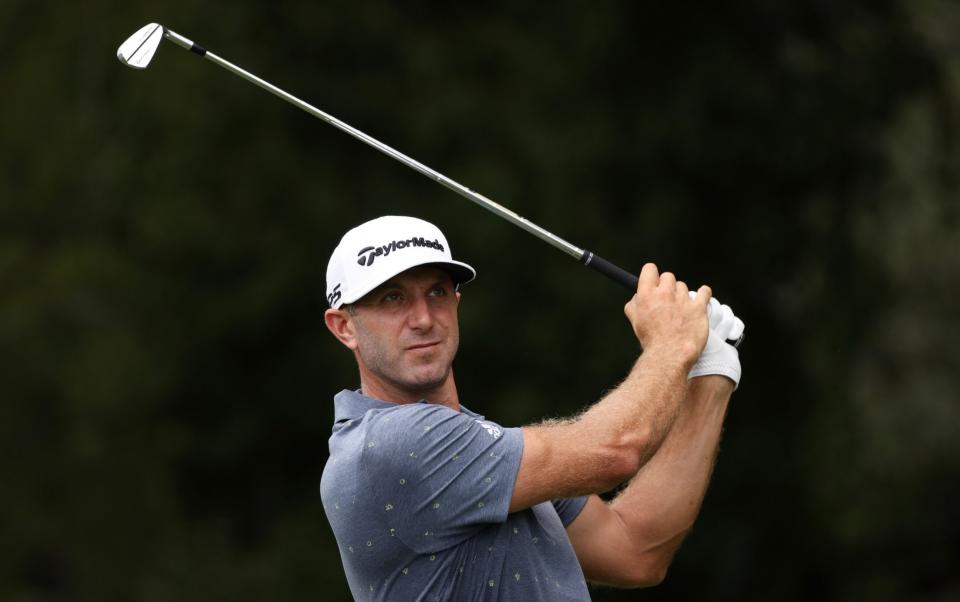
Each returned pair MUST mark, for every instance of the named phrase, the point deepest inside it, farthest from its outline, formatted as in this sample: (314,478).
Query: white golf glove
(722,321)
(718,356)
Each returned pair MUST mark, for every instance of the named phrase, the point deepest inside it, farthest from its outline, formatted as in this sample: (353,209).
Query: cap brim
(460,272)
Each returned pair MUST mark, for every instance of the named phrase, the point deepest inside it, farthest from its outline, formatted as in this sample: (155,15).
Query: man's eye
(392,297)
(438,292)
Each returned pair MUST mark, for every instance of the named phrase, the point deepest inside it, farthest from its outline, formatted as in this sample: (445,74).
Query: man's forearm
(635,417)
(661,502)
(608,443)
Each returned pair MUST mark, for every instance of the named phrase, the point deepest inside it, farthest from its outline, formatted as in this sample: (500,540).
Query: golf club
(138,50)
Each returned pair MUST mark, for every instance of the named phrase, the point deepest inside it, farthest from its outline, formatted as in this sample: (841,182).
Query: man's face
(406,329)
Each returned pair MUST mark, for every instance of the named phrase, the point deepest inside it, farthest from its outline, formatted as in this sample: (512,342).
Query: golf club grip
(618,274)
(611,271)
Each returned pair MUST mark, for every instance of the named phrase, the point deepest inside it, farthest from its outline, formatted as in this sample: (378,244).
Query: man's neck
(444,394)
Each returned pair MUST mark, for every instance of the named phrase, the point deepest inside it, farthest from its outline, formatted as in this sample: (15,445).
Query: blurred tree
(166,374)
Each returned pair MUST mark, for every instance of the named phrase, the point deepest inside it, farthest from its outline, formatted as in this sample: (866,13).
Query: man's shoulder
(412,420)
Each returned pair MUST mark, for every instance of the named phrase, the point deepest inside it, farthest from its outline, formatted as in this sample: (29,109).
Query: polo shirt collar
(349,405)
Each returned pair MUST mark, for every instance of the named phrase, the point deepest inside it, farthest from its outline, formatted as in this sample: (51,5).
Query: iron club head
(138,49)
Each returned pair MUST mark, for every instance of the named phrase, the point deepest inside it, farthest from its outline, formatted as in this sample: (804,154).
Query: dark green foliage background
(166,376)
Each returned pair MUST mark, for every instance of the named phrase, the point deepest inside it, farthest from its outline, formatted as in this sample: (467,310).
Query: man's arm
(631,541)
(611,441)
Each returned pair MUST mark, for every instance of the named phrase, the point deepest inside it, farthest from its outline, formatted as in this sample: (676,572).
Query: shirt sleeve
(443,474)
(569,509)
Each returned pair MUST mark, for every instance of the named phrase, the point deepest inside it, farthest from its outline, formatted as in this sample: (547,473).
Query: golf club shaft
(587,258)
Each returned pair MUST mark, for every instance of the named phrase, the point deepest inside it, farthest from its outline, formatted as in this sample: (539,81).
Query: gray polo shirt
(418,497)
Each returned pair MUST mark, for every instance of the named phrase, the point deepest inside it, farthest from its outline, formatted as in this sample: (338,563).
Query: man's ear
(341,325)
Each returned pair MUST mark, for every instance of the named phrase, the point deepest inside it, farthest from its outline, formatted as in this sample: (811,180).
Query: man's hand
(718,356)
(666,316)
(723,321)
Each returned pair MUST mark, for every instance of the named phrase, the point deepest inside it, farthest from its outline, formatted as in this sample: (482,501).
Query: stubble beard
(393,366)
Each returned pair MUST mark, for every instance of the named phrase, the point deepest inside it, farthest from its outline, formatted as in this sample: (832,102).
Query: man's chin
(428,381)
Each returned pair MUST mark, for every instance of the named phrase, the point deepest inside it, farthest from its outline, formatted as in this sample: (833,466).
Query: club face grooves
(137,50)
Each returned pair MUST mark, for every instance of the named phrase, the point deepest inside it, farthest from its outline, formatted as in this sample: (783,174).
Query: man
(430,501)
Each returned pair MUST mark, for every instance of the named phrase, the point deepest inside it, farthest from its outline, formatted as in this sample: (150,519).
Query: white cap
(378,250)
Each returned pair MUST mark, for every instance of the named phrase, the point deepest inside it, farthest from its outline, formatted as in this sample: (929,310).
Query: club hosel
(179,40)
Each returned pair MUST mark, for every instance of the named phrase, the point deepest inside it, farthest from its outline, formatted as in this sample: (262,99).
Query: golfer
(429,500)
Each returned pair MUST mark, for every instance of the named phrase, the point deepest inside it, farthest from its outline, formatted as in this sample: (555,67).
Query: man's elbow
(649,579)
(647,571)
(617,466)
(622,459)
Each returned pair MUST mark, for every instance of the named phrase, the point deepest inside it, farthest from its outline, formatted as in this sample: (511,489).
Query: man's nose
(420,316)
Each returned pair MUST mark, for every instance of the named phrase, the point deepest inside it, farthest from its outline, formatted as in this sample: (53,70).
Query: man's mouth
(422,346)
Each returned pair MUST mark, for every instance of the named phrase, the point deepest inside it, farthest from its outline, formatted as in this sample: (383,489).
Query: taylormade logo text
(367,255)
